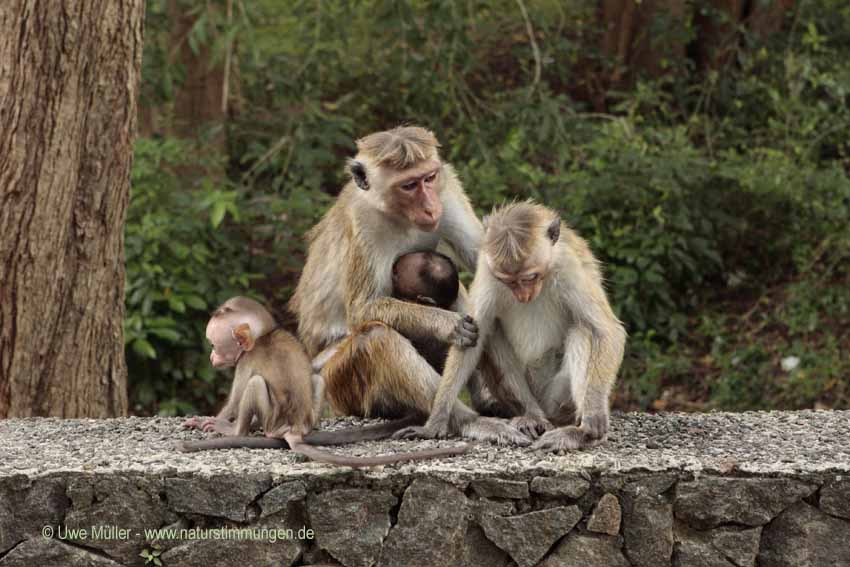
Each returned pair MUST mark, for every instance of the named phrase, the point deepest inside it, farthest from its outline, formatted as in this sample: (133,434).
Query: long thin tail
(339,437)
(355,434)
(322,456)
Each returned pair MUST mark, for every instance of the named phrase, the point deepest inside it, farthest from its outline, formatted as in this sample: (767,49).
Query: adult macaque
(273,383)
(401,198)
(546,325)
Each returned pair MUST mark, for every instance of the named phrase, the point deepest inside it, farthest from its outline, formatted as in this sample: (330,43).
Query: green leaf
(167,334)
(217,215)
(144,348)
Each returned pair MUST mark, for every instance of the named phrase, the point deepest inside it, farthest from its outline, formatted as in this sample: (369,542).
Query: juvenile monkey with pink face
(274,385)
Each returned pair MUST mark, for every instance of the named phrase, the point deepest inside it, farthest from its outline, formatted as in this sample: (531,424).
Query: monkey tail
(322,456)
(233,443)
(368,433)
(339,437)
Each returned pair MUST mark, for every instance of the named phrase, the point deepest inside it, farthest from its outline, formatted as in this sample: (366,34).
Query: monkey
(273,384)
(401,197)
(545,322)
(428,278)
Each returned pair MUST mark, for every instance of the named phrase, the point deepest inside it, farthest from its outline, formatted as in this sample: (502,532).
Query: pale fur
(558,353)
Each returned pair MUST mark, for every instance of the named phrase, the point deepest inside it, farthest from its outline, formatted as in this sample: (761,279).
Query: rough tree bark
(69,79)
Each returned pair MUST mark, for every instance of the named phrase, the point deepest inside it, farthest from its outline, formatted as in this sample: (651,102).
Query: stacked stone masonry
(711,490)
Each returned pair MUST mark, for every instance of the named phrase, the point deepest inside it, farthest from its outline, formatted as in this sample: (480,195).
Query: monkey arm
(461,363)
(412,319)
(460,228)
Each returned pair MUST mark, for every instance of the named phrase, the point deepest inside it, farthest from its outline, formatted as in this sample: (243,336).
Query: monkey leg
(376,372)
(255,402)
(508,381)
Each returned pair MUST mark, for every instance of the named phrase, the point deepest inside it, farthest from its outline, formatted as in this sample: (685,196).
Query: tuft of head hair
(399,148)
(513,230)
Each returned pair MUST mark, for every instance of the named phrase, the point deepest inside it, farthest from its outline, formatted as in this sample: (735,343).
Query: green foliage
(717,198)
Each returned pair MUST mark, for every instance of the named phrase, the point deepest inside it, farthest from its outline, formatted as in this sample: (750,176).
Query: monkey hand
(465,331)
(438,431)
(532,426)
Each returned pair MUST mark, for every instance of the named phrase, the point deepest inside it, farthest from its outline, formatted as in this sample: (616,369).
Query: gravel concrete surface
(752,443)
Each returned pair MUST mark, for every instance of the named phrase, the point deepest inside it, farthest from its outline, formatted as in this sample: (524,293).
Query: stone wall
(729,490)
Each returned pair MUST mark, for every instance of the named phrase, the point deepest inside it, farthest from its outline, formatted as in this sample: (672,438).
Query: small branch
(538,65)
(225,86)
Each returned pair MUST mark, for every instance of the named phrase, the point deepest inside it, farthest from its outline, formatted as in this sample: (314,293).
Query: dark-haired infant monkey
(429,278)
(425,277)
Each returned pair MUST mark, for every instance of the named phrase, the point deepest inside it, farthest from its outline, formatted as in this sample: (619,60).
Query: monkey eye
(431,178)
(529,278)
(409,186)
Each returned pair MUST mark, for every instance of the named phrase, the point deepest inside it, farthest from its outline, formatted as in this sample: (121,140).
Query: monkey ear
(243,337)
(554,230)
(358,173)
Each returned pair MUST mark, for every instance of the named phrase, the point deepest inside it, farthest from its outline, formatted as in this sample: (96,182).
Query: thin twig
(538,64)
(225,87)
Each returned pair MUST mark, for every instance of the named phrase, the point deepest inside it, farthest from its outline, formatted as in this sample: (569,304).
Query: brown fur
(273,383)
(346,282)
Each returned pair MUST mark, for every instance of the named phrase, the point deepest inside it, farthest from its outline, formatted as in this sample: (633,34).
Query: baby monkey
(428,278)
(275,385)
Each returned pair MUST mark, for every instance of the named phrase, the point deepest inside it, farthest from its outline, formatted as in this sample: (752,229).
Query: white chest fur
(535,329)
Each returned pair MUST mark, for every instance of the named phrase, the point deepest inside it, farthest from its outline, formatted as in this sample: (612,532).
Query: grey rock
(803,536)
(499,488)
(482,507)
(648,530)
(27,506)
(102,505)
(698,552)
(835,498)
(570,486)
(606,516)
(232,553)
(721,547)
(351,524)
(651,485)
(741,546)
(43,552)
(710,501)
(585,550)
(431,526)
(279,497)
(478,551)
(528,537)
(225,496)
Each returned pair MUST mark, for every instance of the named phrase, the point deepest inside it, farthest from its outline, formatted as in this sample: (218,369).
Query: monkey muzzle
(526,293)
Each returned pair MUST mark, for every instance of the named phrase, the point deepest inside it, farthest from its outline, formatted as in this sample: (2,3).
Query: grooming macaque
(275,385)
(545,324)
(401,198)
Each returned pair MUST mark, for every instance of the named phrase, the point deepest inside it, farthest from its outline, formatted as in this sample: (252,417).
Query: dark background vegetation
(701,147)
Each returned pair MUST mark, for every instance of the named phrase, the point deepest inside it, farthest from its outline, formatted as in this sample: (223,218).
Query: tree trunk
(69,79)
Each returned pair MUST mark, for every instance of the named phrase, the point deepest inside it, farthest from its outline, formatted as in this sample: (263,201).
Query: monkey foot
(496,431)
(530,426)
(195,422)
(420,432)
(567,438)
(222,426)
